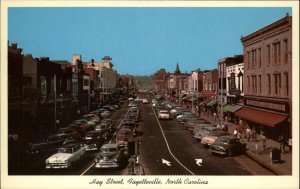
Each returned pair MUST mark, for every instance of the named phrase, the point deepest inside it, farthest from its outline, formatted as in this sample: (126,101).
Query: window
(259,57)
(269,83)
(253,58)
(277,83)
(248,59)
(268,54)
(286,56)
(248,80)
(276,53)
(286,84)
(68,85)
(259,83)
(255,84)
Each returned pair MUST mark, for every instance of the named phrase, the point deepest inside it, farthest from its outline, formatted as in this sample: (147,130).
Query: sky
(141,40)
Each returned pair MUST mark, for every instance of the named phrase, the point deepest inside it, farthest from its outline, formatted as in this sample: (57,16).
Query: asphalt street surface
(166,148)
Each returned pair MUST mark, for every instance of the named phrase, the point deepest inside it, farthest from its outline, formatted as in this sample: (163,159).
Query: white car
(67,155)
(145,101)
(164,114)
(105,114)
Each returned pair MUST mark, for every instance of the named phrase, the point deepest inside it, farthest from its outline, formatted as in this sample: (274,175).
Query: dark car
(50,143)
(123,136)
(228,145)
(94,140)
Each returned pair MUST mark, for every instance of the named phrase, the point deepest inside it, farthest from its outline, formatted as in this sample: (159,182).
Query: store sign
(281,107)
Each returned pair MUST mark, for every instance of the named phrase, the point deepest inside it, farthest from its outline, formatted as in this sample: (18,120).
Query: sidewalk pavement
(256,152)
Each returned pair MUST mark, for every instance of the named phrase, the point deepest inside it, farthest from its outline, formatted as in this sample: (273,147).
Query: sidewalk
(256,152)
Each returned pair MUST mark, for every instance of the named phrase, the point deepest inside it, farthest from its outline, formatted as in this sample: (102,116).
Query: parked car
(191,125)
(212,137)
(145,101)
(207,130)
(92,117)
(105,114)
(110,155)
(123,136)
(228,145)
(109,122)
(50,143)
(103,127)
(200,126)
(94,140)
(84,121)
(66,156)
(164,114)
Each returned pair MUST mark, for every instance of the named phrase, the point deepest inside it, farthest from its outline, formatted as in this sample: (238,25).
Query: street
(166,148)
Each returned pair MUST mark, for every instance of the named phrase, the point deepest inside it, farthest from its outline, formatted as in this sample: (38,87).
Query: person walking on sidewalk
(253,131)
(263,137)
(282,143)
(248,134)
(226,128)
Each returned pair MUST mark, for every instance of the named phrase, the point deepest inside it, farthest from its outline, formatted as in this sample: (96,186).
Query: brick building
(268,79)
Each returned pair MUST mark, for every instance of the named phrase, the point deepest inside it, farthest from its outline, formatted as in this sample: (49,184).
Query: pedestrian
(248,134)
(215,116)
(235,132)
(282,143)
(238,135)
(263,137)
(290,144)
(226,128)
(253,132)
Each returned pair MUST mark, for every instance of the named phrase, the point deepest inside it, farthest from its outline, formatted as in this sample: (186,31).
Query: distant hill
(144,82)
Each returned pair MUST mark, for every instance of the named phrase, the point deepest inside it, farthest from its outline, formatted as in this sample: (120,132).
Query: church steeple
(177,71)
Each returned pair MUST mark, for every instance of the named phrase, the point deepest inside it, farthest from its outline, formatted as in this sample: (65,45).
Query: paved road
(166,141)
(169,140)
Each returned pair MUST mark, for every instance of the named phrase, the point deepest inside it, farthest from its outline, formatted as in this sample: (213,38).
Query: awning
(192,99)
(226,107)
(204,101)
(234,108)
(260,116)
(211,103)
(182,95)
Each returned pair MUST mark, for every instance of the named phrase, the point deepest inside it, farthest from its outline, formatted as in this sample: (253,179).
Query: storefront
(266,115)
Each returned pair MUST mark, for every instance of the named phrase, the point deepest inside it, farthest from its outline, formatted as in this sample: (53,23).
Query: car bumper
(109,164)
(217,151)
(57,166)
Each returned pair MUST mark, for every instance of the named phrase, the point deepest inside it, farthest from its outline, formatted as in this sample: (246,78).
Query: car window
(65,150)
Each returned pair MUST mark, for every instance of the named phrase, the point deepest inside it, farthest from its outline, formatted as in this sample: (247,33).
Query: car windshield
(223,140)
(65,150)
(106,150)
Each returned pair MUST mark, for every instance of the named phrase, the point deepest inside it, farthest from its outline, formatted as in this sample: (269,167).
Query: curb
(264,164)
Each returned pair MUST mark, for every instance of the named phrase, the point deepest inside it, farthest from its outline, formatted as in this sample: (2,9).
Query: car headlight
(66,161)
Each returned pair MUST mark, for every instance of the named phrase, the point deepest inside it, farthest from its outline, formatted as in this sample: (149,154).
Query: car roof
(111,145)
(71,145)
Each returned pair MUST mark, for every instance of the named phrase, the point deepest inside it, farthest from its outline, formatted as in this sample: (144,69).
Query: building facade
(268,78)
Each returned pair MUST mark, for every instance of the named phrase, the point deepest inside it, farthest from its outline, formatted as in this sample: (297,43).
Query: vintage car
(123,136)
(84,121)
(109,122)
(50,143)
(164,114)
(198,127)
(128,121)
(103,127)
(94,140)
(72,132)
(227,145)
(92,117)
(105,114)
(66,156)
(212,137)
(145,101)
(206,130)
(110,156)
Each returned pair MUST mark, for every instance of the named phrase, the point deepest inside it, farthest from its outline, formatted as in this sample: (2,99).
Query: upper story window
(276,52)
(268,54)
(286,55)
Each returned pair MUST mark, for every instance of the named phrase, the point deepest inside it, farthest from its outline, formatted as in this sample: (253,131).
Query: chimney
(14,45)
(19,51)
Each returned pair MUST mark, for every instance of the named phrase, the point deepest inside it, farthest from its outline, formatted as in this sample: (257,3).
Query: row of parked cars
(71,142)
(115,154)
(217,139)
